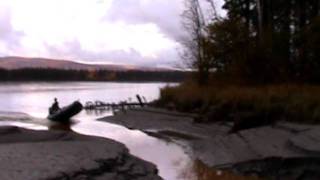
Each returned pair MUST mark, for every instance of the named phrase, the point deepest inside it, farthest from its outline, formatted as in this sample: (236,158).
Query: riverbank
(280,150)
(28,154)
(252,105)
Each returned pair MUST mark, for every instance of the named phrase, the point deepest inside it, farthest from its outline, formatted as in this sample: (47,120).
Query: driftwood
(122,105)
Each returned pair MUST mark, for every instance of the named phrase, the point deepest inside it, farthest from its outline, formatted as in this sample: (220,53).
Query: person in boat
(55,106)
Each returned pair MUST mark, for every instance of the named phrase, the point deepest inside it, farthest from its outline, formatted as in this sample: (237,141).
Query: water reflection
(98,112)
(169,158)
(35,98)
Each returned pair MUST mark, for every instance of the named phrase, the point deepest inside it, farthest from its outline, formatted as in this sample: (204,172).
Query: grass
(290,102)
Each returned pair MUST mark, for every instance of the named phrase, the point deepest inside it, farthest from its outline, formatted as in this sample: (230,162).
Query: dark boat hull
(64,114)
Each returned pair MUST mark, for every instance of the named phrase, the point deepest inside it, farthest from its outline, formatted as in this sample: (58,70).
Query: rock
(223,151)
(264,151)
(295,128)
(281,168)
(281,151)
(307,141)
(147,119)
(27,154)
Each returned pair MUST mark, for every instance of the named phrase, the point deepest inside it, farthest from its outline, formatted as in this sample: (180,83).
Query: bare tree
(214,11)
(194,46)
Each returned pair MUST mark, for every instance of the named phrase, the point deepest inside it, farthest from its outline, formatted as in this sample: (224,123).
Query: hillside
(13,63)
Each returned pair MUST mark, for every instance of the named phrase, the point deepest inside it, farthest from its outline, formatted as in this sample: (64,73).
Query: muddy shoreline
(281,150)
(29,154)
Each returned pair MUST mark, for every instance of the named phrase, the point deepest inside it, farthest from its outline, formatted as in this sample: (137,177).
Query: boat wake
(22,120)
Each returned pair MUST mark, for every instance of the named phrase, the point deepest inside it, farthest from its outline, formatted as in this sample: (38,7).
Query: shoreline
(67,155)
(263,151)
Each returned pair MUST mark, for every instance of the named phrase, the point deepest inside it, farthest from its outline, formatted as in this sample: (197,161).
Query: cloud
(141,32)
(73,49)
(88,30)
(164,13)
(9,38)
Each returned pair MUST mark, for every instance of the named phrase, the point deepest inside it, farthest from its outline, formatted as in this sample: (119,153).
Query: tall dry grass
(291,102)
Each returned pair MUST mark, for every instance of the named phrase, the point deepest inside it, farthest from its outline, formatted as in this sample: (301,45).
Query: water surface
(35,98)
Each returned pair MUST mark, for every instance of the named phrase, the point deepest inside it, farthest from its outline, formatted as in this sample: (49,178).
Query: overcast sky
(140,32)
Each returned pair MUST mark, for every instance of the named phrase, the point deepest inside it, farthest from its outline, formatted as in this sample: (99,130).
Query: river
(34,98)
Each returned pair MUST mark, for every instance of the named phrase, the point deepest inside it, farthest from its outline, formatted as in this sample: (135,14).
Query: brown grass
(299,103)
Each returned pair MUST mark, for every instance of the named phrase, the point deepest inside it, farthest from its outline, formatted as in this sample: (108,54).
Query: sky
(137,32)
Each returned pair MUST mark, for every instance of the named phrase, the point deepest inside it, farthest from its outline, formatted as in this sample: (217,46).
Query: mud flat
(28,154)
(283,150)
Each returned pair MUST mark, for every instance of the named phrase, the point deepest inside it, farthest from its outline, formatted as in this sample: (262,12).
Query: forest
(258,63)
(258,41)
(39,74)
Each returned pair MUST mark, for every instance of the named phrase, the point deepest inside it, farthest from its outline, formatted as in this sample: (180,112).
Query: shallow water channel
(34,99)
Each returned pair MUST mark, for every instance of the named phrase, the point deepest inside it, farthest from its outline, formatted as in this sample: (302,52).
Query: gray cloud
(163,13)
(166,14)
(74,51)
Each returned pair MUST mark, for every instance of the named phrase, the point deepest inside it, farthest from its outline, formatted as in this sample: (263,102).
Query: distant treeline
(35,74)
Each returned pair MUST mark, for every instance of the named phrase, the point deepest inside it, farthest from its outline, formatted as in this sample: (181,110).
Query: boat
(64,114)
